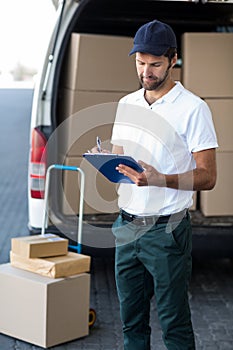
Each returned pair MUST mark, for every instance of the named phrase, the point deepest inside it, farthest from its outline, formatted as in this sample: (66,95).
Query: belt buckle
(139,221)
(144,221)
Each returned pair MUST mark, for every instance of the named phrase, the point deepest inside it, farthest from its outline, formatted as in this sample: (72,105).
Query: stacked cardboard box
(177,73)
(207,64)
(93,64)
(97,73)
(219,201)
(39,246)
(207,67)
(37,307)
(41,310)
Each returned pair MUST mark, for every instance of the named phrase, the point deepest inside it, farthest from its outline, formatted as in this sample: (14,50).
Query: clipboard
(106,164)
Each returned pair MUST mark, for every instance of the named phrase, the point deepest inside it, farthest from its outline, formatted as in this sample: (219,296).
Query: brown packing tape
(53,267)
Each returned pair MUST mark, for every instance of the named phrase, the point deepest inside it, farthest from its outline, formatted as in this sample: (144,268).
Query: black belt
(154,219)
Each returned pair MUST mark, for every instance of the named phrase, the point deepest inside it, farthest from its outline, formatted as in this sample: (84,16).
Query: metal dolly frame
(81,201)
(92,312)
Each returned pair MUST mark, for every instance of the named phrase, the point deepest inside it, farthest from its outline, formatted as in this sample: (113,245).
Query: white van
(85,72)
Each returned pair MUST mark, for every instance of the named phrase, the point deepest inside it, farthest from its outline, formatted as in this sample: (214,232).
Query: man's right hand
(95,150)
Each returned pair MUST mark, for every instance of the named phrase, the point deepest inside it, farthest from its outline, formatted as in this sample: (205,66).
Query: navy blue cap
(154,38)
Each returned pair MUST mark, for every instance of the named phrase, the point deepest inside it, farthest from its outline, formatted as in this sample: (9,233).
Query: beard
(155,83)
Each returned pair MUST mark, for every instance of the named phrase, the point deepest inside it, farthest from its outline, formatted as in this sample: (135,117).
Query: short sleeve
(201,133)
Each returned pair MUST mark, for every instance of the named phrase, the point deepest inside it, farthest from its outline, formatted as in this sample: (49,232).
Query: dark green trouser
(156,261)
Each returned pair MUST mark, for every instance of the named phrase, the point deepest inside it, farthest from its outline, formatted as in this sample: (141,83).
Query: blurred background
(25,27)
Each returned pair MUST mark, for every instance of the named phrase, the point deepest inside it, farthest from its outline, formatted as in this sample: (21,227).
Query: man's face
(152,70)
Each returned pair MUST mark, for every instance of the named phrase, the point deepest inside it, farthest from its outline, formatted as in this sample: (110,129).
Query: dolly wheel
(92,317)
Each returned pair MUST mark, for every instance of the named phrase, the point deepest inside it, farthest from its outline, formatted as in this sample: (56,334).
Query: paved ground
(211,290)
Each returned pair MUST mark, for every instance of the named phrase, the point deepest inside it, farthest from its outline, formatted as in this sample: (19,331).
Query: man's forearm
(196,180)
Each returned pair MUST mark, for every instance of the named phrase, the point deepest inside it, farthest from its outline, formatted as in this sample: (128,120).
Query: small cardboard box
(39,246)
(41,310)
(53,267)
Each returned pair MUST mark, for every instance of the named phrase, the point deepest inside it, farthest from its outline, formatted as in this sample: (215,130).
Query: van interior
(94,72)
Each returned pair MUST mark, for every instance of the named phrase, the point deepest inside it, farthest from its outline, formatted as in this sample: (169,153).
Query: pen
(98,142)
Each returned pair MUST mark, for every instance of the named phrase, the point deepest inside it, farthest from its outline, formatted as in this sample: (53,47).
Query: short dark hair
(170,53)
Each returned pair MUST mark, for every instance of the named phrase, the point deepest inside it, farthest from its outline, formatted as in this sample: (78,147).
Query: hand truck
(78,247)
(81,201)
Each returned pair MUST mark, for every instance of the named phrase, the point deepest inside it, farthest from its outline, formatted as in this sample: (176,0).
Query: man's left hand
(149,177)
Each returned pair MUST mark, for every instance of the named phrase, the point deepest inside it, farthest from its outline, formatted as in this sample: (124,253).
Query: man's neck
(154,95)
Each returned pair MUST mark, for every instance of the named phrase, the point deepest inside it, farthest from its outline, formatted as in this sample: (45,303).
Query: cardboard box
(223,121)
(54,267)
(39,246)
(73,101)
(78,133)
(100,63)
(100,194)
(207,64)
(219,201)
(43,311)
(176,73)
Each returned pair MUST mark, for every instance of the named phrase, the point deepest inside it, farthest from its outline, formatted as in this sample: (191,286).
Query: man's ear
(174,60)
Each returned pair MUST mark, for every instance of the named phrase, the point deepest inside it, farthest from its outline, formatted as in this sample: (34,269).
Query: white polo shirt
(164,135)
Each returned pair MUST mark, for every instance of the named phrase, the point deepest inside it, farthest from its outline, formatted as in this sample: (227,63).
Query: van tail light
(38,159)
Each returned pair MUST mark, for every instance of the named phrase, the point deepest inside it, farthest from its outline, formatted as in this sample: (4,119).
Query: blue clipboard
(106,164)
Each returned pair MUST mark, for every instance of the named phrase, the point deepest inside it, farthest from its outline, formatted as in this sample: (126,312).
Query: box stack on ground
(45,291)
(47,255)
(207,71)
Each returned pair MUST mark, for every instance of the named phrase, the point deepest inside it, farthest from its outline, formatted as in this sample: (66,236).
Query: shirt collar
(170,96)
(173,93)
